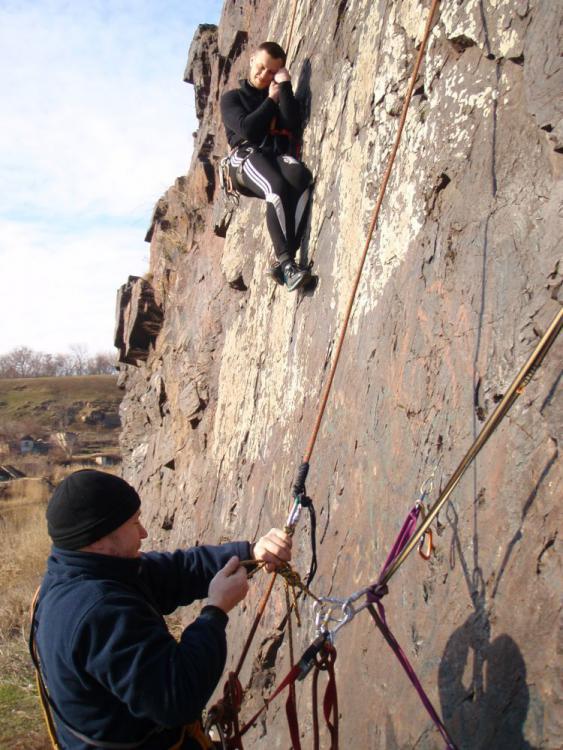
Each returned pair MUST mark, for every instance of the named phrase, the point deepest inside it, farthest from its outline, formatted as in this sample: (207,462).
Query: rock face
(462,277)
(138,318)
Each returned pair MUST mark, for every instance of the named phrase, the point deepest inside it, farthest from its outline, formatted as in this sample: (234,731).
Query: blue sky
(96,124)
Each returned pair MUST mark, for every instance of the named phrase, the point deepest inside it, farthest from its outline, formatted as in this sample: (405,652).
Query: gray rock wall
(462,277)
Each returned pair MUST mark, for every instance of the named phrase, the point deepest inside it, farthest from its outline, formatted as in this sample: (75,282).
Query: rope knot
(225,712)
(376,593)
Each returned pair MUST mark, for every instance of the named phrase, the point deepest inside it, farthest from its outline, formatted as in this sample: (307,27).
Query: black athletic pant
(284,183)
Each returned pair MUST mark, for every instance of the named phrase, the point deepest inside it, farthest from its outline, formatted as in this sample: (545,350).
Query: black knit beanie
(87,505)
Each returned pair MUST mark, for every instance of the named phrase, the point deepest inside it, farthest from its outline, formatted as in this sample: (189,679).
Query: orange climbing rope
(323,646)
(375,215)
(299,484)
(226,711)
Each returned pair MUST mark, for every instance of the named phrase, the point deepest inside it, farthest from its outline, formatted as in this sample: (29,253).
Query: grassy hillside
(47,400)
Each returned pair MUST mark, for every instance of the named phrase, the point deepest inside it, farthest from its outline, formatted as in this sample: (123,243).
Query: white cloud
(96,124)
(95,114)
(59,287)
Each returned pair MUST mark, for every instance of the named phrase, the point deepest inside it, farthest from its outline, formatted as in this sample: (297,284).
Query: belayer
(262,121)
(112,675)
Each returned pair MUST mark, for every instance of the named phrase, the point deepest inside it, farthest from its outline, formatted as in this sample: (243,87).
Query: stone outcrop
(138,317)
(462,277)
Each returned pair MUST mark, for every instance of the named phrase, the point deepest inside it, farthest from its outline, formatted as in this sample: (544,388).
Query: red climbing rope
(224,715)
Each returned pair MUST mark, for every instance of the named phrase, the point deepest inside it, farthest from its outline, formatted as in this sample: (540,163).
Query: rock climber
(261,120)
(115,677)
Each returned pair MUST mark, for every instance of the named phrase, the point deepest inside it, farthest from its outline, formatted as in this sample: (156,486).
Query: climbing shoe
(294,276)
(276,274)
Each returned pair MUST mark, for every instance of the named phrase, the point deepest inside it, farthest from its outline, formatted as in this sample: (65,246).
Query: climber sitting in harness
(111,673)
(261,120)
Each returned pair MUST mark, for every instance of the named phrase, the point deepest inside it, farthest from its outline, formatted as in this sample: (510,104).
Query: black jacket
(112,668)
(248,113)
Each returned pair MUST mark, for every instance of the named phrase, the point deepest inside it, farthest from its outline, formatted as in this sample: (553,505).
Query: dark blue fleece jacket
(112,669)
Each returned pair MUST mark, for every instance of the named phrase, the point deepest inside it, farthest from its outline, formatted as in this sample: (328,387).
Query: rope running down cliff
(375,215)
(299,483)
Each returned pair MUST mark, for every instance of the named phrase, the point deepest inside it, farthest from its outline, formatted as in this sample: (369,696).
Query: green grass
(20,710)
(24,546)
(41,398)
(21,724)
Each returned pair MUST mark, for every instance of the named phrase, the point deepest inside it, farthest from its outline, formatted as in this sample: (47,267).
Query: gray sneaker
(293,276)
(276,274)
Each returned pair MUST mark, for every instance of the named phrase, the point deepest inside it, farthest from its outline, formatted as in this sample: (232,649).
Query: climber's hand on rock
(282,75)
(274,549)
(229,586)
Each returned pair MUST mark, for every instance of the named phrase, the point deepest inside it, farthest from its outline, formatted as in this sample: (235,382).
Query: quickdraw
(229,190)
(333,613)
(348,608)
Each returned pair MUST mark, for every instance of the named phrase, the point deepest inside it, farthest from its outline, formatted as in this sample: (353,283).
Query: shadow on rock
(483,691)
(303,92)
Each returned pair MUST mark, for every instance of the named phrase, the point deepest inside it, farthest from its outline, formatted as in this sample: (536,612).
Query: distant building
(26,444)
(107,460)
(41,446)
(29,444)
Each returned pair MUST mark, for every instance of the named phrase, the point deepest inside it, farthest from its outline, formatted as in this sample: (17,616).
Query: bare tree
(79,354)
(23,362)
(103,363)
(19,363)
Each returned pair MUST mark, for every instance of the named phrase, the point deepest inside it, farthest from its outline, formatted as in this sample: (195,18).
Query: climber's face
(263,68)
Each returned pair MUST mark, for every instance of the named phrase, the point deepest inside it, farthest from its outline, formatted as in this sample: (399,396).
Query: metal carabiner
(426,487)
(214,733)
(294,514)
(326,608)
(426,543)
(324,616)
